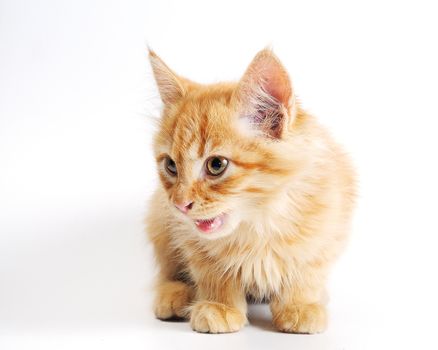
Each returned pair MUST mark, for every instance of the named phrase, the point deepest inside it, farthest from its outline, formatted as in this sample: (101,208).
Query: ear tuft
(170,85)
(265,95)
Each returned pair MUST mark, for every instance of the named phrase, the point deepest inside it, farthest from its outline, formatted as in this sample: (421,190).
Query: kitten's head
(221,151)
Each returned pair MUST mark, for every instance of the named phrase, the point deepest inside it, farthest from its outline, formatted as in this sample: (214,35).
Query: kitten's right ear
(265,96)
(170,85)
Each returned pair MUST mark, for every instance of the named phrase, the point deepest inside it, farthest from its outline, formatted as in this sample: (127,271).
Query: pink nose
(184,207)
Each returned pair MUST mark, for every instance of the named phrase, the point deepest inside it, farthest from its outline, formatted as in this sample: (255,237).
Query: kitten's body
(287,194)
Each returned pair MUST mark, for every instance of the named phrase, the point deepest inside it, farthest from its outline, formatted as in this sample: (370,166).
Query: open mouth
(210,225)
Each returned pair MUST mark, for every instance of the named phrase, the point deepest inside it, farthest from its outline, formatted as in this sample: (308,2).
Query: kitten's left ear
(265,95)
(170,85)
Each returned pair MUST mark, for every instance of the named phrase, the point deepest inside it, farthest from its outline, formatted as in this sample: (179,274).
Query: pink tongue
(209,225)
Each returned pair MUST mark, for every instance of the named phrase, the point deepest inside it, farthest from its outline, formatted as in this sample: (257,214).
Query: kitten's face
(219,157)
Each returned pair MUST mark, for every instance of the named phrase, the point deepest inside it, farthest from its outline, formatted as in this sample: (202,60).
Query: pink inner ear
(275,81)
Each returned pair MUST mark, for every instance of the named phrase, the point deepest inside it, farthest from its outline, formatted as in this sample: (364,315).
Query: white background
(76,169)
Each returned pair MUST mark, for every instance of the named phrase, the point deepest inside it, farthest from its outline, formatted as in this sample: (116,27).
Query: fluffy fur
(287,195)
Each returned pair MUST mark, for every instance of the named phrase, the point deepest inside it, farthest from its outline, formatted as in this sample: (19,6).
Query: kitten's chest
(262,268)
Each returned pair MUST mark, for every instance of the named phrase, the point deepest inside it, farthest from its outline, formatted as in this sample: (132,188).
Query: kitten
(255,200)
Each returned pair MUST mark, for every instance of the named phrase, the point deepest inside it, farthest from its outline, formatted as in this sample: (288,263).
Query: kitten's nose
(184,207)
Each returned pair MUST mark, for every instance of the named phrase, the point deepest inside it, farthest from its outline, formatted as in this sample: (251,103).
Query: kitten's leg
(172,299)
(172,296)
(221,307)
(301,308)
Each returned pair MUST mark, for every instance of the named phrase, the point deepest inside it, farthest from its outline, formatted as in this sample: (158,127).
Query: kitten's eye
(170,166)
(215,166)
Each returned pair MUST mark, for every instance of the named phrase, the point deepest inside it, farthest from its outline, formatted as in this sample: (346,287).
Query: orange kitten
(255,200)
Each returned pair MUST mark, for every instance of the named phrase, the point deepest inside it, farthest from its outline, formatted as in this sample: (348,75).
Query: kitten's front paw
(172,300)
(211,317)
(309,319)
